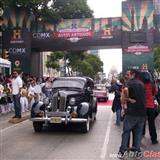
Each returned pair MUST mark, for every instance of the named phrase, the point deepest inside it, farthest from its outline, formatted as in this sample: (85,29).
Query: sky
(104,9)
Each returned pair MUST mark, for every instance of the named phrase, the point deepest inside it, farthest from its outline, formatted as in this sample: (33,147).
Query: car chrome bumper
(72,120)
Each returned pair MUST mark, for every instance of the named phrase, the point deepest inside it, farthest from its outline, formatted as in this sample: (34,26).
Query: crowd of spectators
(136,103)
(33,88)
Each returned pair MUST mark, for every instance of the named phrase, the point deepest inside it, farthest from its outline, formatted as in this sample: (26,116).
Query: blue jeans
(48,93)
(132,123)
(118,116)
(17,105)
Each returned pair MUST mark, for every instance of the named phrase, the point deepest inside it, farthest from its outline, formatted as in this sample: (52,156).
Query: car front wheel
(37,126)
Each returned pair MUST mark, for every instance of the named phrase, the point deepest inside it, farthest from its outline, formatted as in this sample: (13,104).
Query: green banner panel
(136,61)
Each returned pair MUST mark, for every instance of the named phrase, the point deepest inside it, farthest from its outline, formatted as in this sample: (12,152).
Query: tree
(57,10)
(68,9)
(79,61)
(86,69)
(95,62)
(37,7)
(32,4)
(74,59)
(53,61)
(90,66)
(86,64)
(157,60)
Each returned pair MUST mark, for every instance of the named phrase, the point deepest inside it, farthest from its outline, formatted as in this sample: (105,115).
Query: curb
(18,120)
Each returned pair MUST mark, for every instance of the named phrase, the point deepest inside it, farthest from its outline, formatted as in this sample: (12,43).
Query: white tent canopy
(5,63)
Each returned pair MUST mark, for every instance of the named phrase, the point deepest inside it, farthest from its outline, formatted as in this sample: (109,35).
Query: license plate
(55,120)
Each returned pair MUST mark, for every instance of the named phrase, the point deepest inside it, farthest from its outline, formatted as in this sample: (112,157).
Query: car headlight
(72,101)
(46,101)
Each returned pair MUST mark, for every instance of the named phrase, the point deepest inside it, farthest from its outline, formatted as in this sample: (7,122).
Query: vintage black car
(72,101)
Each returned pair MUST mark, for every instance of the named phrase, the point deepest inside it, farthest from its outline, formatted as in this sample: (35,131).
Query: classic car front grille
(54,102)
(62,103)
(56,114)
(58,102)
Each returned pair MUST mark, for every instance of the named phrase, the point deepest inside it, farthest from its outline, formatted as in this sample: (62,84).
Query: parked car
(72,102)
(101,92)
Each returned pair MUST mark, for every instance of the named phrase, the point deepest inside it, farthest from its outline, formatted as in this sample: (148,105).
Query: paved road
(19,142)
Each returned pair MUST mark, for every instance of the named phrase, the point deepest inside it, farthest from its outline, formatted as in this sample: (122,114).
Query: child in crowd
(23,99)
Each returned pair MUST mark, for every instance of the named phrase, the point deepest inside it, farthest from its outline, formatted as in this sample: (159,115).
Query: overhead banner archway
(80,34)
(137,32)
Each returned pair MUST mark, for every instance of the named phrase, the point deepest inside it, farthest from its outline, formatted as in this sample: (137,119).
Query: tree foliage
(90,66)
(79,62)
(53,10)
(157,60)
(53,61)
(74,59)
(32,4)
(72,9)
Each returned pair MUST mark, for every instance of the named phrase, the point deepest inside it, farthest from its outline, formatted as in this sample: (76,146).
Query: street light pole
(1,32)
(65,64)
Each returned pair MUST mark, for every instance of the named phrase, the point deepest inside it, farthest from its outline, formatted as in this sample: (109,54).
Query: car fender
(36,108)
(84,109)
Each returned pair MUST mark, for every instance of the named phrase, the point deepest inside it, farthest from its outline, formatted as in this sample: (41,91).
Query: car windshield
(68,83)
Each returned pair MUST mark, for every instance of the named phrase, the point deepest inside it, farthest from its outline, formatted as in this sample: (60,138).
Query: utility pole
(1,32)
(65,64)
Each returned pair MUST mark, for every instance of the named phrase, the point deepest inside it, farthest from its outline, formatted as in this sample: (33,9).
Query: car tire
(94,113)
(37,126)
(95,117)
(85,126)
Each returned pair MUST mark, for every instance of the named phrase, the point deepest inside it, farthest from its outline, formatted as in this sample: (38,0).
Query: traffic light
(5,54)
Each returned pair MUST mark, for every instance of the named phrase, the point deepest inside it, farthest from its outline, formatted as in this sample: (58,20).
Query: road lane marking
(106,141)
(14,125)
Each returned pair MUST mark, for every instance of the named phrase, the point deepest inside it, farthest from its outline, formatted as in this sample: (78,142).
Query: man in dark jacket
(135,114)
(116,106)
